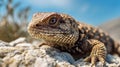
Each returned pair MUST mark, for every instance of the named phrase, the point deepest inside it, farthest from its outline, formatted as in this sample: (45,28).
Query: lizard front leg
(98,52)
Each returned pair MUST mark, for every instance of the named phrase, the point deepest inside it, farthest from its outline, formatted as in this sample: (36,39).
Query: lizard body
(65,33)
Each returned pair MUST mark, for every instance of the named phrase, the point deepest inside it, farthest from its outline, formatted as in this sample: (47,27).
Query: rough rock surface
(19,53)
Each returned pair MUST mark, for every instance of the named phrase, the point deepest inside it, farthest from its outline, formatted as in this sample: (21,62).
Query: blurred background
(16,14)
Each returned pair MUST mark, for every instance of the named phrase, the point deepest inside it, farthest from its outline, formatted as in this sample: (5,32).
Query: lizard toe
(93,60)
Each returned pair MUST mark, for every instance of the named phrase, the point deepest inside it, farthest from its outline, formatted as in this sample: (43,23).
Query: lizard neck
(71,40)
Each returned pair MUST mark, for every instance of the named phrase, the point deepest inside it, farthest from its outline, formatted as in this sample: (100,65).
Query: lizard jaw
(52,37)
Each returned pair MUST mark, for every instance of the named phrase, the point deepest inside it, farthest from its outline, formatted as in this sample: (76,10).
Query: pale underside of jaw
(44,34)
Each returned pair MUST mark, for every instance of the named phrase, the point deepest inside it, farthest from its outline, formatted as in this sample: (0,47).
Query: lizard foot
(94,58)
(98,52)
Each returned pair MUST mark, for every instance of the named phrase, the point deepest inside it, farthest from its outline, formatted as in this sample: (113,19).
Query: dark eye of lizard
(53,20)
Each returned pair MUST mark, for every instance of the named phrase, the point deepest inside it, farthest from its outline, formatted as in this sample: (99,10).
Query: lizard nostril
(37,25)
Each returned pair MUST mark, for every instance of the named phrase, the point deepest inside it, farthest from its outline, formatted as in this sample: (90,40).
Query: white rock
(2,43)
(42,62)
(45,56)
(24,44)
(17,41)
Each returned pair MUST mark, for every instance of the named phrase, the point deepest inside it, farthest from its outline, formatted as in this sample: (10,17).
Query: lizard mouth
(48,30)
(44,33)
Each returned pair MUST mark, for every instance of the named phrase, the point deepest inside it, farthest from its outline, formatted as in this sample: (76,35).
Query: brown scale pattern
(85,41)
(88,32)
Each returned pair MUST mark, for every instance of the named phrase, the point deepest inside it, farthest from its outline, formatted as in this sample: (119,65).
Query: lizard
(65,33)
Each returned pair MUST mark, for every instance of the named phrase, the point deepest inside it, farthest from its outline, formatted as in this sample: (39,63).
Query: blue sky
(94,12)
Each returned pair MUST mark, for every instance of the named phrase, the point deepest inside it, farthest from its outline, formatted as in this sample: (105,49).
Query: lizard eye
(53,20)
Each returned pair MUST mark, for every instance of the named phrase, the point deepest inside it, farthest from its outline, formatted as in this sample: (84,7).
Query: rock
(3,44)
(64,64)
(81,63)
(45,56)
(17,41)
(65,56)
(40,62)
(111,59)
(112,65)
(24,54)
(24,44)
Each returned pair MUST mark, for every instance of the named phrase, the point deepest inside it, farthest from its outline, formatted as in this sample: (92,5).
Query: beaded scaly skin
(65,33)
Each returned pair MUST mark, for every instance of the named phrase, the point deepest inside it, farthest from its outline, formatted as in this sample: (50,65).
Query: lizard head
(54,27)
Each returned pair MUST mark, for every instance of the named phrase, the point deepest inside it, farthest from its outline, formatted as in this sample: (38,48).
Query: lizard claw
(94,58)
